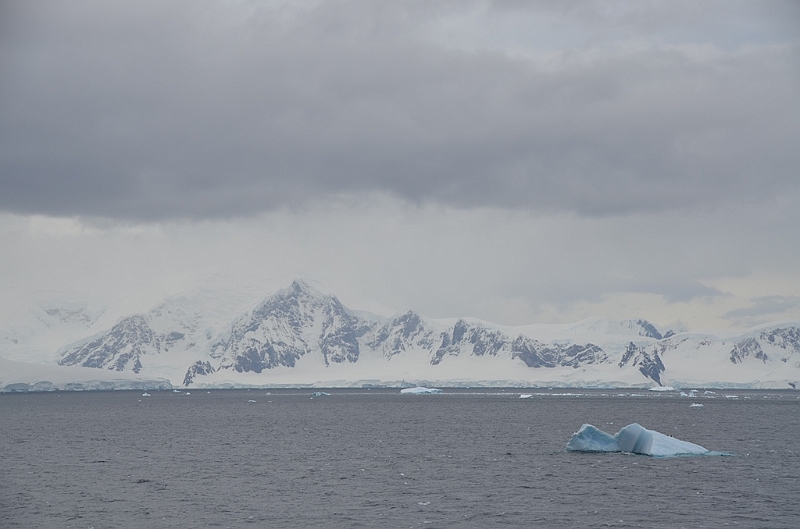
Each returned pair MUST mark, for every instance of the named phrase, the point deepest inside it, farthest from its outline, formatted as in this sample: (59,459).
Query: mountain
(301,336)
(163,341)
(292,323)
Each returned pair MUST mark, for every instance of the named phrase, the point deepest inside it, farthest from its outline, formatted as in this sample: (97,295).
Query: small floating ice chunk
(526,396)
(633,438)
(251,400)
(145,394)
(695,405)
(320,394)
(662,388)
(420,390)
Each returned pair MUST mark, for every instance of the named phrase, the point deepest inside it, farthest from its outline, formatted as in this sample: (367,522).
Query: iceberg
(420,391)
(633,438)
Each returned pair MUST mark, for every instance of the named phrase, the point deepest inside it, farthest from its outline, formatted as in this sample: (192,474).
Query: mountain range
(301,336)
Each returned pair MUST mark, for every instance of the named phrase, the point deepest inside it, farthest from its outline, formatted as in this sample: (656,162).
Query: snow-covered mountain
(36,333)
(300,336)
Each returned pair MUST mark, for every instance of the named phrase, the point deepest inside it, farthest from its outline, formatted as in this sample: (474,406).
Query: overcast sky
(513,161)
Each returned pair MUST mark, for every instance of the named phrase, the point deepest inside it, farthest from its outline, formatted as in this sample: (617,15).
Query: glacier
(633,438)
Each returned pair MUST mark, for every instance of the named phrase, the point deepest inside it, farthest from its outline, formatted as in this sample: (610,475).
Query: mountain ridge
(301,335)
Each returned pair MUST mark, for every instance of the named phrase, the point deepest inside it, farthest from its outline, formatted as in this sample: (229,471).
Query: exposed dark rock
(400,333)
(198,368)
(747,347)
(629,353)
(119,348)
(479,339)
(536,354)
(647,358)
(648,329)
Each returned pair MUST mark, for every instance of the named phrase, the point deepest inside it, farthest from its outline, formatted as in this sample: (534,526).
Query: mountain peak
(302,288)
(298,285)
(648,329)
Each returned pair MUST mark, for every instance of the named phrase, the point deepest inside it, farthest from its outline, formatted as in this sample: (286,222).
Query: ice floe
(633,438)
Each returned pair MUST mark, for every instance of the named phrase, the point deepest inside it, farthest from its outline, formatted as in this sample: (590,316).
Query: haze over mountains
(301,336)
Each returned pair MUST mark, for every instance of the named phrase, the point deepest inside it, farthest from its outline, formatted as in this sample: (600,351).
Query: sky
(518,162)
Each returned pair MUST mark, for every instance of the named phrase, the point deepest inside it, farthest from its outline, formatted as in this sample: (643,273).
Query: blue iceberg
(633,438)
(420,390)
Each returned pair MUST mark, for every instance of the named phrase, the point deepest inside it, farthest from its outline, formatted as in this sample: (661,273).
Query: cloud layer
(513,161)
(153,110)
(726,268)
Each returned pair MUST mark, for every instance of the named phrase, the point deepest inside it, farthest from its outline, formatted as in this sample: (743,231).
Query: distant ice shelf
(635,439)
(20,377)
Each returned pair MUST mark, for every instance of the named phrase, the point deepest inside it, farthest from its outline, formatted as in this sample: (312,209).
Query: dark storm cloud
(189,109)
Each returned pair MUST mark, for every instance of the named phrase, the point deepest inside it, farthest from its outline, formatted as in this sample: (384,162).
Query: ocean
(376,458)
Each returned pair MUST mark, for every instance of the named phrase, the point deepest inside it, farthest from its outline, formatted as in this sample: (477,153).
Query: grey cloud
(158,110)
(681,291)
(764,309)
(595,287)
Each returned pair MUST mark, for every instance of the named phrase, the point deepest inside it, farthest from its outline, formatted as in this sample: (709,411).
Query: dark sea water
(360,458)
